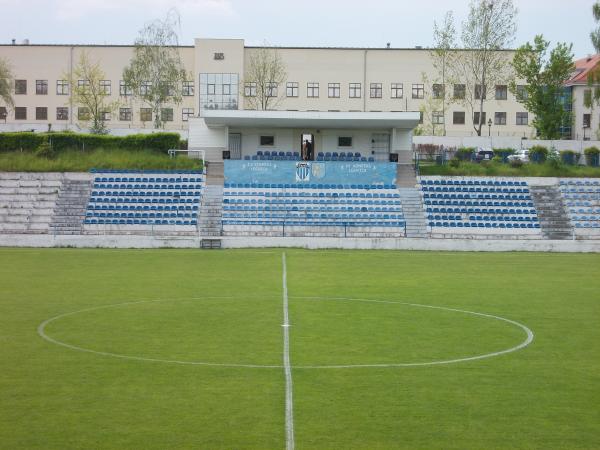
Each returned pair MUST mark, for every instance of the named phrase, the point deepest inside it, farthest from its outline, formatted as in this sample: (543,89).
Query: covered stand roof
(311,119)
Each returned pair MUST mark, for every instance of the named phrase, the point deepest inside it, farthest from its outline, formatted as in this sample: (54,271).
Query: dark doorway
(307,147)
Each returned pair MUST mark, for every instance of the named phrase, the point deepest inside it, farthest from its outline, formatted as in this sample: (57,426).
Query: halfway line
(289,402)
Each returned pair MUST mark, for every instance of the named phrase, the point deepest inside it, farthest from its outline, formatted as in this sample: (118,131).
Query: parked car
(520,155)
(483,154)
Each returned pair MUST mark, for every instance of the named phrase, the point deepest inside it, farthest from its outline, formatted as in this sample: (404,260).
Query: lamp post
(490,127)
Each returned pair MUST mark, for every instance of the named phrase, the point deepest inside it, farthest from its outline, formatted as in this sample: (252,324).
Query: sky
(330,23)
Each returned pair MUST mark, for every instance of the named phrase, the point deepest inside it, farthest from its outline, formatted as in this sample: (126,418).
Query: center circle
(247,332)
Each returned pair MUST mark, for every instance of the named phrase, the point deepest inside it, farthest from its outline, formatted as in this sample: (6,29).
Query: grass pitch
(224,308)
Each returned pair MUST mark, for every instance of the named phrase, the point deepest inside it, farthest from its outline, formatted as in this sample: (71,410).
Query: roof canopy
(310,119)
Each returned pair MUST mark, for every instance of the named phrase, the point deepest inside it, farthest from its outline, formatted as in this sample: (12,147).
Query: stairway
(554,220)
(412,208)
(71,204)
(405,176)
(215,172)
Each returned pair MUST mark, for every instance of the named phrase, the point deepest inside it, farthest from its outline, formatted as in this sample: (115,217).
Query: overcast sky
(344,23)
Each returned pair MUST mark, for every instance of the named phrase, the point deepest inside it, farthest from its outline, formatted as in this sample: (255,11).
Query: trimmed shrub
(538,154)
(503,153)
(592,156)
(569,157)
(464,153)
(21,141)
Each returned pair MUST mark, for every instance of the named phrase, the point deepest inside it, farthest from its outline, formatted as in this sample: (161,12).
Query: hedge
(503,153)
(538,154)
(592,156)
(28,141)
(464,153)
(569,157)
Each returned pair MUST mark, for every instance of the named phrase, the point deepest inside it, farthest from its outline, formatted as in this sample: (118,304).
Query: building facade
(318,79)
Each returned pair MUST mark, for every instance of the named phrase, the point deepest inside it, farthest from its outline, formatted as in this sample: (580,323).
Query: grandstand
(582,199)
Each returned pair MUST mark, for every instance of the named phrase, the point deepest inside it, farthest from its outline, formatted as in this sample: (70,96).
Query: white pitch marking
(287,367)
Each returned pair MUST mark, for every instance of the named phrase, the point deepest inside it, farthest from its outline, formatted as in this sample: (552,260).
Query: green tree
(545,76)
(266,71)
(88,93)
(6,83)
(595,34)
(156,71)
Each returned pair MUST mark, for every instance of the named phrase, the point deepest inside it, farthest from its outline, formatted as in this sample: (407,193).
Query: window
(479,92)
(220,90)
(501,92)
(83,113)
(250,89)
(187,89)
(271,89)
(21,87)
(521,93)
(105,87)
(344,141)
(587,97)
(375,90)
(312,90)
(397,90)
(333,90)
(460,91)
(145,87)
(587,120)
(105,116)
(211,89)
(146,114)
(355,90)
(41,113)
(124,89)
(267,141)
(62,113)
(437,117)
(186,113)
(3,113)
(438,91)
(62,87)
(291,89)
(476,118)
(522,118)
(41,87)
(500,118)
(83,85)
(458,117)
(167,88)
(125,114)
(418,91)
(166,114)
(20,113)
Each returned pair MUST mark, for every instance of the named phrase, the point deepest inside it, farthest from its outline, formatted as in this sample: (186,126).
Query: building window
(167,88)
(587,120)
(375,90)
(124,89)
(521,93)
(418,91)
(312,90)
(41,87)
(105,87)
(62,113)
(20,113)
(62,87)
(145,87)
(166,114)
(250,89)
(476,118)
(344,141)
(83,85)
(146,114)
(500,118)
(438,91)
(460,91)
(187,89)
(479,92)
(397,90)
(437,117)
(105,116)
(333,90)
(125,114)
(291,89)
(21,87)
(458,117)
(268,141)
(522,118)
(501,92)
(271,89)
(83,113)
(220,90)
(3,113)
(41,113)
(186,113)
(354,90)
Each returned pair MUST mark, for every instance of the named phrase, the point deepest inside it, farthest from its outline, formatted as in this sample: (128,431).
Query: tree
(444,41)
(593,77)
(595,35)
(87,91)
(6,83)
(430,110)
(544,76)
(265,72)
(156,72)
(489,29)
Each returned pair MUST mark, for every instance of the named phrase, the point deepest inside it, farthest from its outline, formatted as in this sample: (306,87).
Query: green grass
(505,170)
(226,307)
(78,161)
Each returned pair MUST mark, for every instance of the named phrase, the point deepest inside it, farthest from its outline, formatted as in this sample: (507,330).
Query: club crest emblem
(302,172)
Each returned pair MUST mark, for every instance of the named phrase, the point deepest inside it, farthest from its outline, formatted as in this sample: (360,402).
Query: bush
(503,153)
(22,141)
(569,157)
(455,162)
(464,153)
(538,154)
(592,156)
(516,163)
